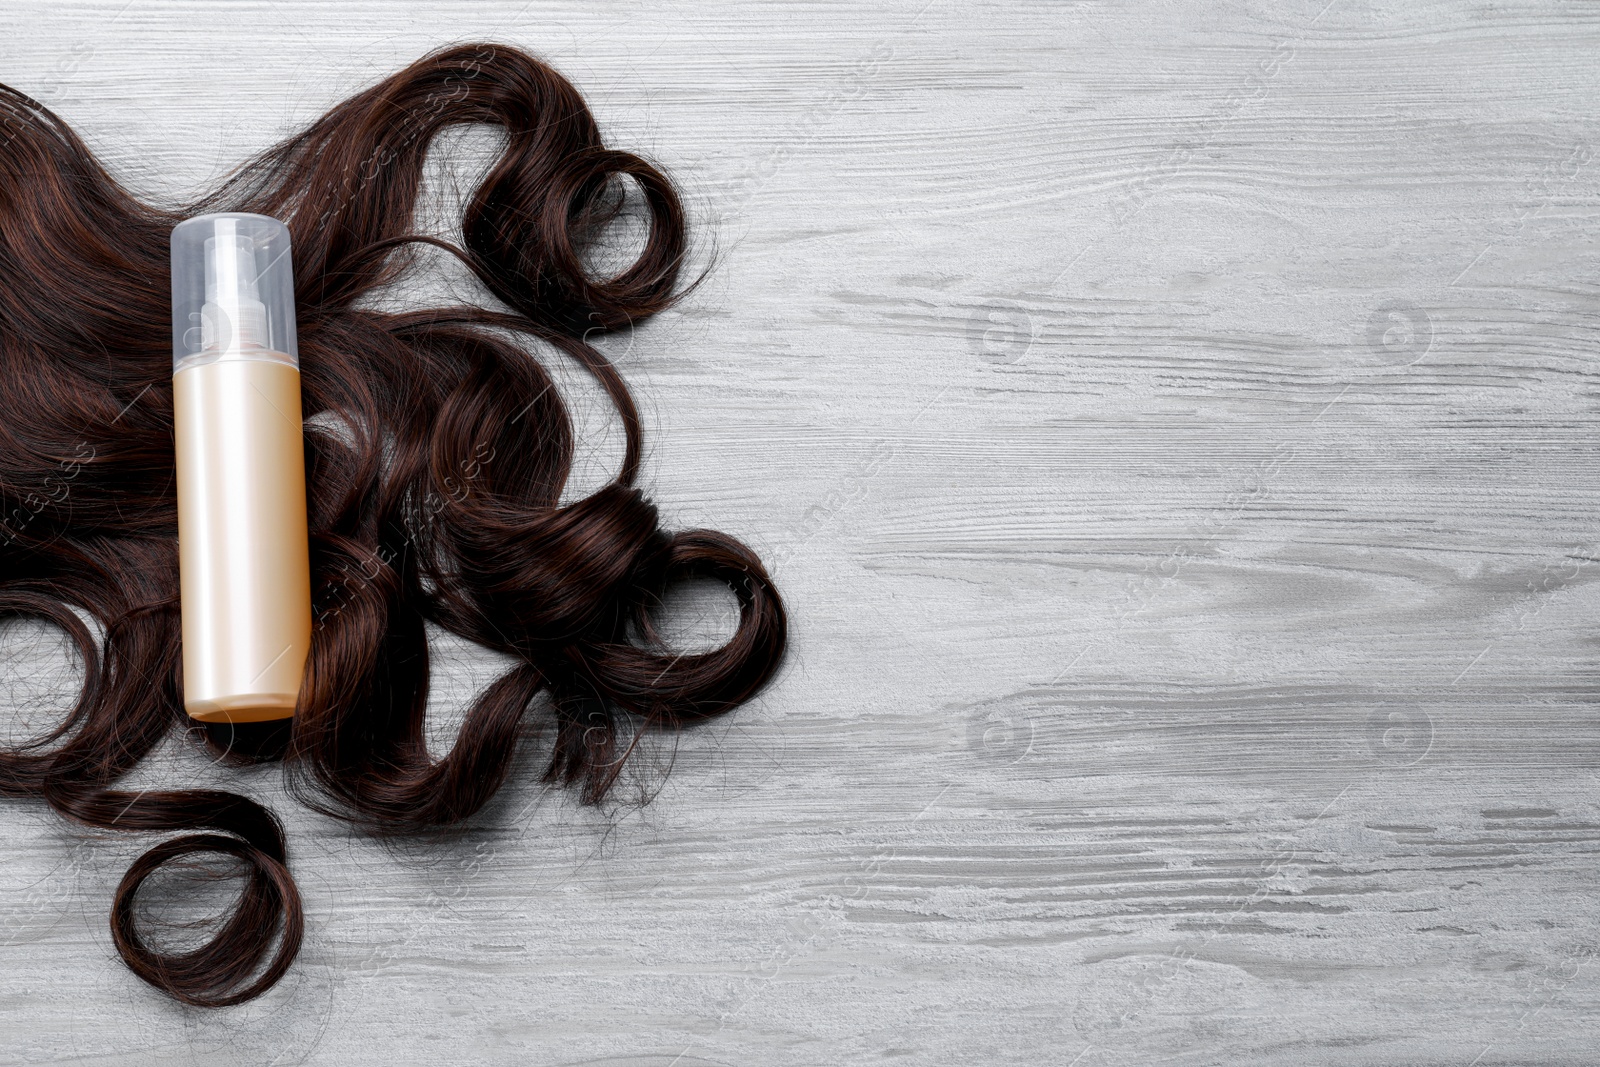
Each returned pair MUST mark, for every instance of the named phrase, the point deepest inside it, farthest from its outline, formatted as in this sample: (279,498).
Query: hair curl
(438,503)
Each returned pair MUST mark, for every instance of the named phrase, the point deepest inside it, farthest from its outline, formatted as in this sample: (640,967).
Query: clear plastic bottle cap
(232,290)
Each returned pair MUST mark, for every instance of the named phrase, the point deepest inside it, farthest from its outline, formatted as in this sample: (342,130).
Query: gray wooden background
(1173,428)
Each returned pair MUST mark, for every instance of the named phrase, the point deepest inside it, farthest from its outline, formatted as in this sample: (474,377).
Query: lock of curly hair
(439,503)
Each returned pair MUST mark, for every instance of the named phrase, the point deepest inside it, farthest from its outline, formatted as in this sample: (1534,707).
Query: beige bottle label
(243,554)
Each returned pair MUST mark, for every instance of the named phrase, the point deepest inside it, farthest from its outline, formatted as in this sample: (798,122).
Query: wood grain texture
(1174,429)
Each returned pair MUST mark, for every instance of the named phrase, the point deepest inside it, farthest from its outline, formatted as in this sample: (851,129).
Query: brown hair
(437,500)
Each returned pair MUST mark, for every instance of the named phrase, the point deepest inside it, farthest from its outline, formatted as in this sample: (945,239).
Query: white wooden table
(1173,428)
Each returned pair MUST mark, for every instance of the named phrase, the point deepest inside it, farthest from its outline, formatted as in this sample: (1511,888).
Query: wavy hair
(436,497)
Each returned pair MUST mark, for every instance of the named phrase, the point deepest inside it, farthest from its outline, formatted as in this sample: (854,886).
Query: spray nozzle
(233,316)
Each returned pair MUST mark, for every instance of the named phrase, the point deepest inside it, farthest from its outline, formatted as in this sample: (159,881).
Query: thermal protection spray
(243,557)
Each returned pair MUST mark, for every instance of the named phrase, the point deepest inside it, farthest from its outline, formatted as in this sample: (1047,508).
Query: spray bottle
(243,555)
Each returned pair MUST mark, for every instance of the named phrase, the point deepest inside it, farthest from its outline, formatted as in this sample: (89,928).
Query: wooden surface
(1174,430)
